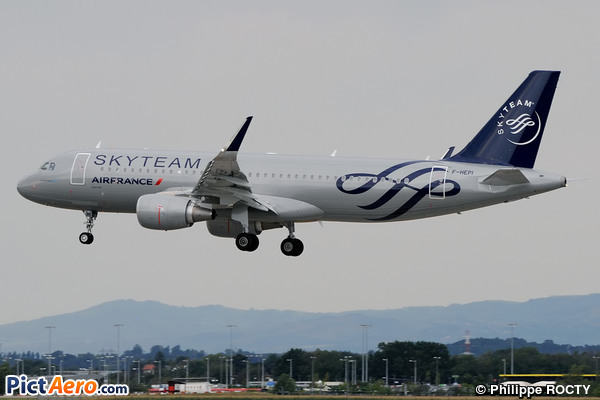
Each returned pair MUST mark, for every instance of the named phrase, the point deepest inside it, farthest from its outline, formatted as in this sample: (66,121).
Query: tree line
(415,363)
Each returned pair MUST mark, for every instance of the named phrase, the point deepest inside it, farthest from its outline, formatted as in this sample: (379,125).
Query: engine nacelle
(165,212)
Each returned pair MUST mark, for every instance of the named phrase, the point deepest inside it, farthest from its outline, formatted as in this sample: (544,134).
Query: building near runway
(189,386)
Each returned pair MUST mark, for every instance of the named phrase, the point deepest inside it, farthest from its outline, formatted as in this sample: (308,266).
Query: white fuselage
(345,189)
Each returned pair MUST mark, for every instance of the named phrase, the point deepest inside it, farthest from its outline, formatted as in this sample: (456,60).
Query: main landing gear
(87,237)
(247,241)
(291,246)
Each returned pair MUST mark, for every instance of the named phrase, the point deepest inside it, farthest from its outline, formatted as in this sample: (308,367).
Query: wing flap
(290,209)
(249,199)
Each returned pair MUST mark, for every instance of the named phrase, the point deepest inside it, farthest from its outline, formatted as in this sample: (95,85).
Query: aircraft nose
(27,186)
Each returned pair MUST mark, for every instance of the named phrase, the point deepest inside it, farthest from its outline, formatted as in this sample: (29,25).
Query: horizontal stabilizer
(505,177)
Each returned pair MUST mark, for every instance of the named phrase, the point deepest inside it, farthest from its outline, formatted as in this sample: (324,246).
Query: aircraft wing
(222,182)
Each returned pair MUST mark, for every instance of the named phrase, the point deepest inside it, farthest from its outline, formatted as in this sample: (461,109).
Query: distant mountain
(573,320)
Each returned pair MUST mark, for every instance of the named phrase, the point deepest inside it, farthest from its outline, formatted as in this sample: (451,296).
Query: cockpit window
(48,166)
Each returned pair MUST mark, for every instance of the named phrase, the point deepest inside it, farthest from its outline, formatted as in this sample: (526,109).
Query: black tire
(255,243)
(292,247)
(86,238)
(247,242)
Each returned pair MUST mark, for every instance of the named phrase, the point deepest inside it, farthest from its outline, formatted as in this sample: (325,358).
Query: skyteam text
(19,384)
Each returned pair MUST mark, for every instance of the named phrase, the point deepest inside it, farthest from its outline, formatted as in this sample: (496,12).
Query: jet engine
(165,212)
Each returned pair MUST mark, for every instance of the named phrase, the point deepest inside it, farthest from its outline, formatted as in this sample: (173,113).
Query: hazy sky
(396,79)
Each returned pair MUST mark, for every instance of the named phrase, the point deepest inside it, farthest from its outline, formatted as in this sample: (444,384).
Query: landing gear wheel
(86,238)
(292,247)
(247,242)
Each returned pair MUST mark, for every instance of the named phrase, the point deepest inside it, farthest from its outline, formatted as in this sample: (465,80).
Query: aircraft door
(437,182)
(78,169)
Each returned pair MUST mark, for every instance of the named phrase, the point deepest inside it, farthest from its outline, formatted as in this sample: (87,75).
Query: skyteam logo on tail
(522,122)
(516,118)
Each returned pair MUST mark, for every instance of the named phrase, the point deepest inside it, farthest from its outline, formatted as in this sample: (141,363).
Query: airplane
(241,195)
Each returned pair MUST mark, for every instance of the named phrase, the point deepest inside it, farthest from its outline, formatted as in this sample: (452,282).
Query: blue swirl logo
(406,183)
(520,123)
(524,121)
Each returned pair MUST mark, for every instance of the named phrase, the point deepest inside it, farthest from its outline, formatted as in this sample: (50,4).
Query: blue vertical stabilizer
(513,135)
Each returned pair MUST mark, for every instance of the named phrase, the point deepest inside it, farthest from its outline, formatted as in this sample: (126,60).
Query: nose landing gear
(87,237)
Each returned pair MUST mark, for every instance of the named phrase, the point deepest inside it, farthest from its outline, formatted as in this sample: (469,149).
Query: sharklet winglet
(236,142)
